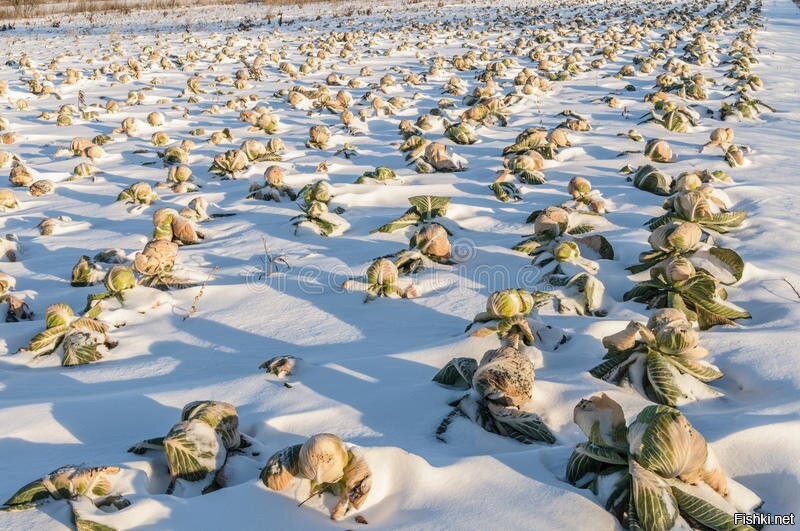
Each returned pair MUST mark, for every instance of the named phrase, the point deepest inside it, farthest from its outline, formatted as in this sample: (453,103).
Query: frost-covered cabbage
(502,383)
(676,283)
(78,339)
(197,447)
(330,465)
(656,473)
(662,360)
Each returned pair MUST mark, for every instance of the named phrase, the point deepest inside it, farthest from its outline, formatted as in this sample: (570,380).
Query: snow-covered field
(264,287)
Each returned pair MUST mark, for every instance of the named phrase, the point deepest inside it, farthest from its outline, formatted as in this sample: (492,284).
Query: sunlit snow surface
(367,368)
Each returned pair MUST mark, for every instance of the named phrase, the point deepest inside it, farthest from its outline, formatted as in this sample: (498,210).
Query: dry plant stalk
(196,301)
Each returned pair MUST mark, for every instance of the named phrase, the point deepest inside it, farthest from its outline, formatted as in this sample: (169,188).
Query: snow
(365,370)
